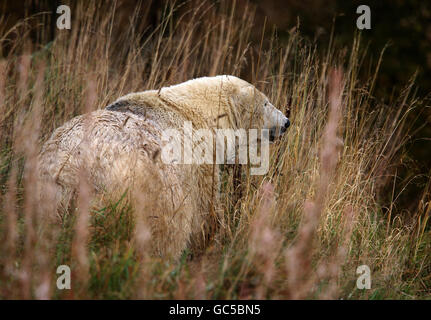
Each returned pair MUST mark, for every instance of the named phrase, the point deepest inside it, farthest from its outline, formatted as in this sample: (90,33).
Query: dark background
(405,26)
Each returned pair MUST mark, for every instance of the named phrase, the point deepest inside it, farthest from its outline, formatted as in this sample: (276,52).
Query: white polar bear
(123,147)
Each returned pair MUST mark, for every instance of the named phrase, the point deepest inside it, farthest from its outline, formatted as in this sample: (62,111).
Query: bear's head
(227,102)
(255,111)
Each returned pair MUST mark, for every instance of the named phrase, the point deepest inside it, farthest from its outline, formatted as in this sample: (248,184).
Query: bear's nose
(287,124)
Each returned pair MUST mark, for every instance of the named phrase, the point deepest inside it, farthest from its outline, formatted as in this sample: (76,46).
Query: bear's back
(105,142)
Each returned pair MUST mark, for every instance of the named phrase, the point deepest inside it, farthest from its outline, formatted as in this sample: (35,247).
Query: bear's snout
(279,126)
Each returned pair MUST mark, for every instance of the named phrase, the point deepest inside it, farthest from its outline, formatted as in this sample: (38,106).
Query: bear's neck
(203,113)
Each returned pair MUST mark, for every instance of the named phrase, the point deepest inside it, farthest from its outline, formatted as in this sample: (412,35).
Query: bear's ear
(243,105)
(235,105)
(250,99)
(242,96)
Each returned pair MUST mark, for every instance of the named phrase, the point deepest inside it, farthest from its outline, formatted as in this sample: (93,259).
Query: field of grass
(298,232)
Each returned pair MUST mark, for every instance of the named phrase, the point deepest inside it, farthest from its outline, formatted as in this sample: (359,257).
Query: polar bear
(121,149)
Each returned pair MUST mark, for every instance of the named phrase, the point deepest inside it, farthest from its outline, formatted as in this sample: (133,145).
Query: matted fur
(120,149)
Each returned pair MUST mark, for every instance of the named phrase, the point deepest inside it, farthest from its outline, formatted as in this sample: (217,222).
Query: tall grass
(298,232)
